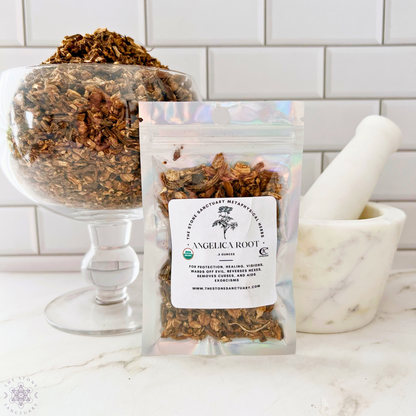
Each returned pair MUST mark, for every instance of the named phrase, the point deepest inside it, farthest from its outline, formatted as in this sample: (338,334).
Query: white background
(346,58)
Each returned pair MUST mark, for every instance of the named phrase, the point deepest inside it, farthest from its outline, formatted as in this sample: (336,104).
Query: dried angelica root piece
(216,181)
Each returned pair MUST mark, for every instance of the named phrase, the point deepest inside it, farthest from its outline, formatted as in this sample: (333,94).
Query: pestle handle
(344,188)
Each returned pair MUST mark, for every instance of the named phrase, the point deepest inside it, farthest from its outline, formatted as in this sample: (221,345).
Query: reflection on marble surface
(368,372)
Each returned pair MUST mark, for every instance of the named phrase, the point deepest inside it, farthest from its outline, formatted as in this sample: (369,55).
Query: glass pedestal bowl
(69,140)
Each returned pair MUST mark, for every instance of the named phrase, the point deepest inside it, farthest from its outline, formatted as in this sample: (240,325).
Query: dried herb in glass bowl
(74,122)
(102,46)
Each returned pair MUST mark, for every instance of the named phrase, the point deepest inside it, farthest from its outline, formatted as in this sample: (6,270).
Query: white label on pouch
(223,252)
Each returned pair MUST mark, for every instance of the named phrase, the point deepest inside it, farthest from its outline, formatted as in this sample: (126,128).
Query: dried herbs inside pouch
(221,203)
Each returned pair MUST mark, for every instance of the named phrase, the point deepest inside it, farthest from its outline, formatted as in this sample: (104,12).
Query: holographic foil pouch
(221,185)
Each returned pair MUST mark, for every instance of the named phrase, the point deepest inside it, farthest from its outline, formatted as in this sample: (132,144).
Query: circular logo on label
(264,252)
(188,254)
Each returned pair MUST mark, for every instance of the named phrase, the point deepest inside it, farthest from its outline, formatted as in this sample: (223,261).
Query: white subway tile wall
(371,72)
(333,54)
(18,233)
(11,27)
(15,57)
(330,124)
(52,263)
(324,22)
(404,259)
(398,179)
(408,240)
(9,195)
(59,235)
(201,22)
(265,73)
(192,61)
(402,112)
(311,169)
(48,21)
(400,21)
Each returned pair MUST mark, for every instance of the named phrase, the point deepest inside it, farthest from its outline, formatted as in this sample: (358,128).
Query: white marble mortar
(341,268)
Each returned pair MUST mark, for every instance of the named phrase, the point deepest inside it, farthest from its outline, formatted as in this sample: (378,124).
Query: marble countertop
(371,371)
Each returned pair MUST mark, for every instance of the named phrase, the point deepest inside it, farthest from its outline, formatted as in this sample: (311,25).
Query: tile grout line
(24,23)
(207,71)
(393,201)
(311,150)
(324,74)
(265,22)
(328,99)
(17,206)
(268,46)
(145,22)
(44,255)
(37,229)
(383,25)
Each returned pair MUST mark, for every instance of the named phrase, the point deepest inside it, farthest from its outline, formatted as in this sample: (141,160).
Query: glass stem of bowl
(111,264)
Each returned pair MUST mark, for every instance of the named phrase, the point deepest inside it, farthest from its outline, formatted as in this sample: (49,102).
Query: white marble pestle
(343,189)
(346,245)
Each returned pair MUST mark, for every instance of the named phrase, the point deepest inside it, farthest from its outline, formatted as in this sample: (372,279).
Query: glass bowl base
(77,312)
